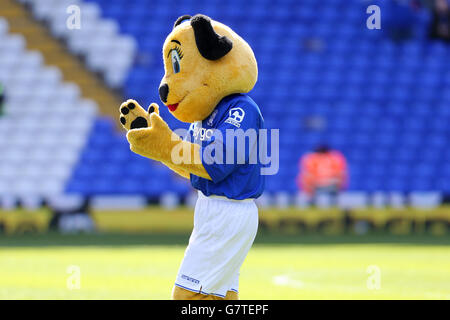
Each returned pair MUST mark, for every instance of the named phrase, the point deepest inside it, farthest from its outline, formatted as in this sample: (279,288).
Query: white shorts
(224,231)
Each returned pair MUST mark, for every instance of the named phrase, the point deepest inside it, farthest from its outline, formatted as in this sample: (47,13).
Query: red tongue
(172,107)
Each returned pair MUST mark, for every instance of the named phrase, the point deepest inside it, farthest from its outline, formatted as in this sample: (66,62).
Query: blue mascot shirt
(229,140)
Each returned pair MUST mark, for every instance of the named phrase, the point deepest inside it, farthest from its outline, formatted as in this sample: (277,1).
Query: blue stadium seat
(384,104)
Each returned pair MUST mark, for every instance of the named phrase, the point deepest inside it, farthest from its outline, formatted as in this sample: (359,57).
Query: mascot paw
(133,116)
(155,141)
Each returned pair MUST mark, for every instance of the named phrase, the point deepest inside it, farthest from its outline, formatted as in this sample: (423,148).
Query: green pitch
(144,267)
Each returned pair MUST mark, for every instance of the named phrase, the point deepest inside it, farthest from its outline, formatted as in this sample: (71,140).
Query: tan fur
(157,141)
(202,83)
(138,111)
(183,294)
(198,88)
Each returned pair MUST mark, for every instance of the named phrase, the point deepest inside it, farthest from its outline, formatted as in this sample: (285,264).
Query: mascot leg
(183,294)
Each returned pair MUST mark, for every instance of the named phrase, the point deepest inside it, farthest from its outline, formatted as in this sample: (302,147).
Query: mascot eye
(175,56)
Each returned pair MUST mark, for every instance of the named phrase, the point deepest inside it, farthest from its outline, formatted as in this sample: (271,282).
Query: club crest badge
(236,116)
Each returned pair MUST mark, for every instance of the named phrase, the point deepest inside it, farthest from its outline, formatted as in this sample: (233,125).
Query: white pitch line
(284,280)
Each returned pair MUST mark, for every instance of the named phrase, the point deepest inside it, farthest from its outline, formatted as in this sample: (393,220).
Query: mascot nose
(163,92)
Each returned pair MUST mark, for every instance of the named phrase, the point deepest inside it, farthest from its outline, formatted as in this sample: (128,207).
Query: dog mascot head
(204,61)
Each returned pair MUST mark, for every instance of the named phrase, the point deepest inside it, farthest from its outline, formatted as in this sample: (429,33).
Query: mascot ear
(210,45)
(181,19)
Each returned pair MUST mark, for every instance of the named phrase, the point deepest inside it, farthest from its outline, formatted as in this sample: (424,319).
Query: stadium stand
(323,78)
(55,53)
(44,125)
(384,105)
(97,39)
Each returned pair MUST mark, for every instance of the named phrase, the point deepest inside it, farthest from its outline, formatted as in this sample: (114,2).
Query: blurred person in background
(440,27)
(399,17)
(2,99)
(323,171)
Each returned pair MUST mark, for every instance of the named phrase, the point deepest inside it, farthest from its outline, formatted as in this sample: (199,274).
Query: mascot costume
(208,70)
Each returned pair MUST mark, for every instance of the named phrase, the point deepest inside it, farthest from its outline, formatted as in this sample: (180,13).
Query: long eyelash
(180,53)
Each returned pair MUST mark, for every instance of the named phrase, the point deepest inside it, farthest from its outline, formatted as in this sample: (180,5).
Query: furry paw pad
(133,116)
